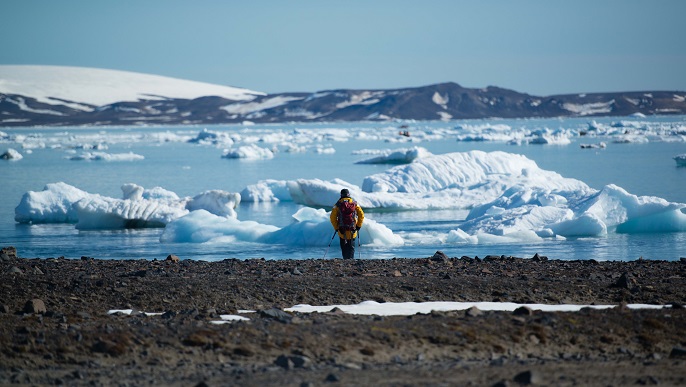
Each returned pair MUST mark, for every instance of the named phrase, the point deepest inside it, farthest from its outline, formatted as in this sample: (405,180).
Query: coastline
(72,340)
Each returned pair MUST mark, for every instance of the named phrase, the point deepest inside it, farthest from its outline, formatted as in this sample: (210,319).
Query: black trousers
(348,248)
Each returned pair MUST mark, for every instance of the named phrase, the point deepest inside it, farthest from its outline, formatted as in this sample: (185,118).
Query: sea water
(171,162)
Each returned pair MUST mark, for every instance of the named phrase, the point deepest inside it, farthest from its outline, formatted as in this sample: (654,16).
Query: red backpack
(347,215)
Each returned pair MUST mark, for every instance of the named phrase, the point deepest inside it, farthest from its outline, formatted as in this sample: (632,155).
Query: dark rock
(276,314)
(332,378)
(243,351)
(109,347)
(439,256)
(625,281)
(172,258)
(168,315)
(8,253)
(300,361)
(678,353)
(138,273)
(527,377)
(523,311)
(285,362)
(539,258)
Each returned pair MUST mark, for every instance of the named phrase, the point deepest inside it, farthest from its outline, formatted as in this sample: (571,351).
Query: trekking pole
(327,249)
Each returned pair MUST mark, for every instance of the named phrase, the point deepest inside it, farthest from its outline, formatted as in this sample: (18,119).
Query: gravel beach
(55,328)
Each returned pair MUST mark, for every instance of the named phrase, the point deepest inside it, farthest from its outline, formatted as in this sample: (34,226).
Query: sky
(540,47)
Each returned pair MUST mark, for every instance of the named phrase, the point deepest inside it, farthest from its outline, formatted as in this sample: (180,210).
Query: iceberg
(100,212)
(508,196)
(680,160)
(251,152)
(627,213)
(398,156)
(209,137)
(594,213)
(449,181)
(489,173)
(52,205)
(266,191)
(217,202)
(310,227)
(102,156)
(11,154)
(139,207)
(546,136)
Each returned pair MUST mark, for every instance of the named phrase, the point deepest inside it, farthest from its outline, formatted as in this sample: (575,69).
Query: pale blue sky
(541,47)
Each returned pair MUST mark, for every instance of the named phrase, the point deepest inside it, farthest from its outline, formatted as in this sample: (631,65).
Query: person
(347,218)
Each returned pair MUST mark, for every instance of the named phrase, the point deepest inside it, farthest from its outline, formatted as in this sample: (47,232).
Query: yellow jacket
(334,219)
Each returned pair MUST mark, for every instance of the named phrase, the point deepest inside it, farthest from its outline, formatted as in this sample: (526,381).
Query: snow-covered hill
(98,87)
(68,96)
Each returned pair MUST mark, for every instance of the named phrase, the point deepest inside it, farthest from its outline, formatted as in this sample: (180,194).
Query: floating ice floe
(309,228)
(546,136)
(397,156)
(510,199)
(450,181)
(97,156)
(11,154)
(680,160)
(266,191)
(139,208)
(52,205)
(251,152)
(600,145)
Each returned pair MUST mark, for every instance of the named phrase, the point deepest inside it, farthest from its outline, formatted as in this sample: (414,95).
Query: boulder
(8,253)
(35,305)
(440,256)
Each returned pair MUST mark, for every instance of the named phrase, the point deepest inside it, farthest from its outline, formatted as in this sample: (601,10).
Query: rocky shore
(55,328)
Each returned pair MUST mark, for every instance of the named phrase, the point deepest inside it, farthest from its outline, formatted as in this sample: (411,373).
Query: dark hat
(345,193)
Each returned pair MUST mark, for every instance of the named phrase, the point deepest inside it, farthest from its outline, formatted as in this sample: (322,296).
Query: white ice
(251,152)
(97,87)
(98,156)
(510,199)
(373,308)
(411,308)
(397,156)
(11,154)
(309,228)
(139,207)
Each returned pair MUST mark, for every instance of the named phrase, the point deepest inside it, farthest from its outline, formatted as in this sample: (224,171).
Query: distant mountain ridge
(67,96)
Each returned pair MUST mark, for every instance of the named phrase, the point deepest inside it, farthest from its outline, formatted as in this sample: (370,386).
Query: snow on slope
(102,87)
